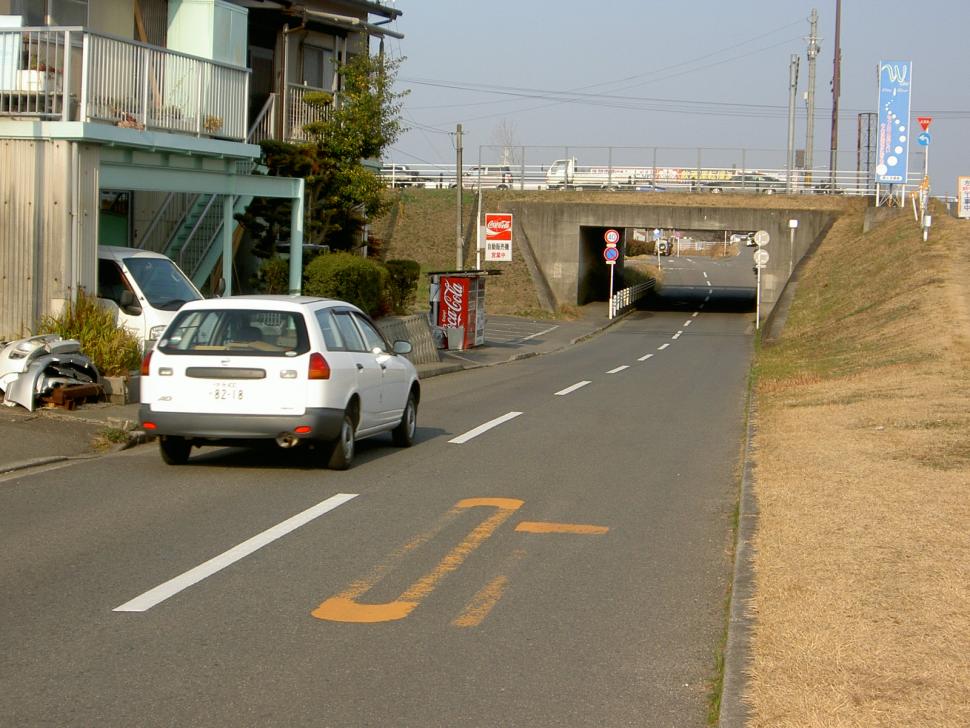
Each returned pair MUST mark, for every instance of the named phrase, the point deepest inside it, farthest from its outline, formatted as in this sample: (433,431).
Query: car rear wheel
(403,434)
(174,450)
(342,451)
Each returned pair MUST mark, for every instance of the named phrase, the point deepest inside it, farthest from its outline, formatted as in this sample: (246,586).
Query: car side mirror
(129,304)
(402,347)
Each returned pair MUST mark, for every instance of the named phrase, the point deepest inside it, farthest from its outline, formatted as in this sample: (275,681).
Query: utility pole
(836,90)
(792,91)
(460,265)
(813,49)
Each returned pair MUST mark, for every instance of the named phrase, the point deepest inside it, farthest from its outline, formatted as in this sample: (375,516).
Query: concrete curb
(734,713)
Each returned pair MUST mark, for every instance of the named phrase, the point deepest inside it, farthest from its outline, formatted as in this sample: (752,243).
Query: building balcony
(71,74)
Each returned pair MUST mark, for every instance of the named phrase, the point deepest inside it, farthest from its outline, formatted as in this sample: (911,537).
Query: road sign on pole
(610,253)
(761,238)
(761,257)
(925,121)
(924,139)
(611,236)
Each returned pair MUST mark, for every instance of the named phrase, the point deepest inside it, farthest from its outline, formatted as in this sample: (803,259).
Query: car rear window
(246,332)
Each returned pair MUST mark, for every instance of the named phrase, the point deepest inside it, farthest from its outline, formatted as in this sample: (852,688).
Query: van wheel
(174,450)
(342,451)
(403,434)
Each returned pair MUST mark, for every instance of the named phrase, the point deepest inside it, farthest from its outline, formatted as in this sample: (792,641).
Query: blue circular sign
(924,138)
(611,253)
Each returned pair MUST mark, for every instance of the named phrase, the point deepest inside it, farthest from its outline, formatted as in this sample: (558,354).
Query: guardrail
(645,179)
(626,297)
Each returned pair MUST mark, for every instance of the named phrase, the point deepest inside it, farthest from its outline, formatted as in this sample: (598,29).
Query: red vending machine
(460,308)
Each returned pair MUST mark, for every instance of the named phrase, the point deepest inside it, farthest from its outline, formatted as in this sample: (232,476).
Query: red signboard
(498,236)
(925,121)
(498,226)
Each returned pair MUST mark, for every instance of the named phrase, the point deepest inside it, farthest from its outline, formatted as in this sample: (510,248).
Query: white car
(296,370)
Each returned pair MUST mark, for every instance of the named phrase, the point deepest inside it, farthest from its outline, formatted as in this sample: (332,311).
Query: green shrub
(115,351)
(637,247)
(351,278)
(273,276)
(402,284)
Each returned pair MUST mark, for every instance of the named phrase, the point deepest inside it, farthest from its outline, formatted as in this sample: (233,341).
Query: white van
(143,289)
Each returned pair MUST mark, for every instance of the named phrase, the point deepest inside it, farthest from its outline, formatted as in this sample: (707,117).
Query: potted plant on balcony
(39,78)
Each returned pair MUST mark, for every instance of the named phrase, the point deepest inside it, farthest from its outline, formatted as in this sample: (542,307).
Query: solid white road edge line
(173,586)
(540,333)
(618,369)
(461,439)
(645,357)
(570,390)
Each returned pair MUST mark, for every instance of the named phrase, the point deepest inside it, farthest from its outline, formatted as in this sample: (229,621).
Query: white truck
(143,289)
(568,174)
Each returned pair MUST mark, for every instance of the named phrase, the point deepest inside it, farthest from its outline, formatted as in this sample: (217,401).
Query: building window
(318,67)
(51,12)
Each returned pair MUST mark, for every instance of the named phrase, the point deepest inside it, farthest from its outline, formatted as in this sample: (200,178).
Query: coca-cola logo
(498,226)
(451,296)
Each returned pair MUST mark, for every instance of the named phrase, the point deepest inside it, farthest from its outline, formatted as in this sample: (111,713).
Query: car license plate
(226,391)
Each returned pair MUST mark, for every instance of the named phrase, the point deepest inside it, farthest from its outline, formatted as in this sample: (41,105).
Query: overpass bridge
(562,241)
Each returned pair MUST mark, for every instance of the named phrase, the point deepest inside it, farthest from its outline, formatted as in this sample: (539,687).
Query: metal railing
(626,297)
(72,74)
(647,169)
(299,113)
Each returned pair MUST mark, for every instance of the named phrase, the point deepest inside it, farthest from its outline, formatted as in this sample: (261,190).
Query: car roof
(118,252)
(266,301)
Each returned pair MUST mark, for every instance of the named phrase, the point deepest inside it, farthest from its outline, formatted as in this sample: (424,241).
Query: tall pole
(792,91)
(460,265)
(836,90)
(813,50)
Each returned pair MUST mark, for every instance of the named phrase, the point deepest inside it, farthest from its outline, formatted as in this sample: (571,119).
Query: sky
(561,78)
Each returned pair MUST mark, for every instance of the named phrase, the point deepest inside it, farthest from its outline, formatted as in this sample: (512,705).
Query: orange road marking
(344,607)
(547,527)
(487,597)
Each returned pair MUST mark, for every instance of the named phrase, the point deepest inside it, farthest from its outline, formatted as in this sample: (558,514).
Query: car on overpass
(753,182)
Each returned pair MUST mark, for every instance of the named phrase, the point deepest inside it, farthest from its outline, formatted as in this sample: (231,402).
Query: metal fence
(646,169)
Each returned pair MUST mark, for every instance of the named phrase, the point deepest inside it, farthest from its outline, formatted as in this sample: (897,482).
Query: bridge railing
(648,169)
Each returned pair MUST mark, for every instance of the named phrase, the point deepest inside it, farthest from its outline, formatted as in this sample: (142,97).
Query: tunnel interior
(688,262)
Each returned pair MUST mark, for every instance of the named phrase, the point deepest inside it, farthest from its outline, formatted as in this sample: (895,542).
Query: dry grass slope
(863,481)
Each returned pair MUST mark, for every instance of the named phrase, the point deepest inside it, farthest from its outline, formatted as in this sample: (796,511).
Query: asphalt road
(566,566)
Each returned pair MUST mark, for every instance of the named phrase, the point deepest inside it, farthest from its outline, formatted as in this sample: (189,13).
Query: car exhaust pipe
(287,440)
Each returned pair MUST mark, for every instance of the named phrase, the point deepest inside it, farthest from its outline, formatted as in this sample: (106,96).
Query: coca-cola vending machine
(458,308)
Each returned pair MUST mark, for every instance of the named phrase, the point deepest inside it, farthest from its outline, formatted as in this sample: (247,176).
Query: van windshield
(164,285)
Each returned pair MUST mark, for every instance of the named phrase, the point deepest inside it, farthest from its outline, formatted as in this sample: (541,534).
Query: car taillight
(319,369)
(145,362)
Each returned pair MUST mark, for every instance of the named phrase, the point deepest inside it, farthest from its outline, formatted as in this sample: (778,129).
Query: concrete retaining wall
(555,232)
(414,328)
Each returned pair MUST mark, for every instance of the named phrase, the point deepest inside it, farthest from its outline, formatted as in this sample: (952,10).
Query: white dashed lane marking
(570,390)
(645,357)
(618,369)
(662,347)
(461,439)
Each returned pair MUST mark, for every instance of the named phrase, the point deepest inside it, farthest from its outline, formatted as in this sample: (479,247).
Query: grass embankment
(862,476)
(422,226)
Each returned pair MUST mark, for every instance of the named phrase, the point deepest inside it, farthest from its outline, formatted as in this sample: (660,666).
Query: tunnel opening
(594,272)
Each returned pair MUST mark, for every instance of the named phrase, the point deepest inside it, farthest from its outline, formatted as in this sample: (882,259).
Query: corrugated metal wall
(39,266)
